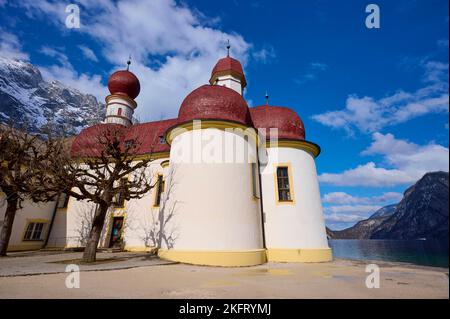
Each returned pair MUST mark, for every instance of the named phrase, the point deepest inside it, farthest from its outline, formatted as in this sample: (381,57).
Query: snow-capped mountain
(26,97)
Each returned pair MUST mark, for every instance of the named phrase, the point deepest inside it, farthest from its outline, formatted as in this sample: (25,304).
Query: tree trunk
(5,233)
(94,236)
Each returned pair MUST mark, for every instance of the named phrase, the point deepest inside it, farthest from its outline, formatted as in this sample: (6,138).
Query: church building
(234,185)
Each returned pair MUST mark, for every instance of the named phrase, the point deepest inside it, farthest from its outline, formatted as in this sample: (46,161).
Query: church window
(120,196)
(159,190)
(119,112)
(283,183)
(34,231)
(129,144)
(255,181)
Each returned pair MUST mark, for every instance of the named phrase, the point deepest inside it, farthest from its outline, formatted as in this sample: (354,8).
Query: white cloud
(173,47)
(344,198)
(348,214)
(10,46)
(408,162)
(264,55)
(312,73)
(370,115)
(88,53)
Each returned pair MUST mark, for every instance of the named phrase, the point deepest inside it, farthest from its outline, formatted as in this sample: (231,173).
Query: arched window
(119,112)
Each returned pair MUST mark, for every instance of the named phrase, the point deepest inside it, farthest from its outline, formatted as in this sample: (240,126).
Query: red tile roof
(214,102)
(147,134)
(286,120)
(124,82)
(229,64)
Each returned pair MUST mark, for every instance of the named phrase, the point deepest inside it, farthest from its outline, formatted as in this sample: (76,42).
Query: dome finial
(267,98)
(228,47)
(129,62)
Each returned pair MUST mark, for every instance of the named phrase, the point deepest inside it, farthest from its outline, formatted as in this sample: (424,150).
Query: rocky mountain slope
(364,228)
(26,97)
(421,214)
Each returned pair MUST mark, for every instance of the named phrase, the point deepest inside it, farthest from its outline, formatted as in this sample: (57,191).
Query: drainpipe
(52,220)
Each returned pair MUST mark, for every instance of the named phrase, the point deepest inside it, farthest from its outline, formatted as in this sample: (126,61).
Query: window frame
(291,200)
(116,203)
(30,234)
(160,188)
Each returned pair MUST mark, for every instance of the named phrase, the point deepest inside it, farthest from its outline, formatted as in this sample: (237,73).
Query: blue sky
(375,100)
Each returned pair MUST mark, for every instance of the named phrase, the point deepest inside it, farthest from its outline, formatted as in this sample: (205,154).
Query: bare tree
(104,169)
(23,163)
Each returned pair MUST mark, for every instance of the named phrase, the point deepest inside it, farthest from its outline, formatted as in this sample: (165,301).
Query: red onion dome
(226,65)
(214,102)
(289,124)
(124,82)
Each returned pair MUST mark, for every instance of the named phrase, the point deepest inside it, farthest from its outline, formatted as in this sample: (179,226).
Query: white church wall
(139,217)
(213,204)
(298,224)
(29,213)
(230,82)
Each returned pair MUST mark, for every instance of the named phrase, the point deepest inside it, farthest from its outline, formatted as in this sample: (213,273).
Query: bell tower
(124,87)
(228,72)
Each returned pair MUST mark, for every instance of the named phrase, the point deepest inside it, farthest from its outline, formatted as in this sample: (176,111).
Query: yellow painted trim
(291,184)
(140,249)
(225,258)
(309,147)
(122,97)
(206,124)
(216,75)
(152,156)
(165,163)
(300,255)
(34,245)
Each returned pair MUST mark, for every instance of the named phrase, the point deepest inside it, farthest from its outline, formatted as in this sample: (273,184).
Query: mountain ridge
(27,98)
(421,214)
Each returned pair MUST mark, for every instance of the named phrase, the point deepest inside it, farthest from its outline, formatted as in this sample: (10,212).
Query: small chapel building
(234,185)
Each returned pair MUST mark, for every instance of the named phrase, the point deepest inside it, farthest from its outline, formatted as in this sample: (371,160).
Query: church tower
(228,72)
(124,87)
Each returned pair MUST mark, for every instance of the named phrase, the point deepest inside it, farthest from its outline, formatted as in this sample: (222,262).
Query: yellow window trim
(164,163)
(291,184)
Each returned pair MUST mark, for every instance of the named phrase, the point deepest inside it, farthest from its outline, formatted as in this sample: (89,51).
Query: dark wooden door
(116,232)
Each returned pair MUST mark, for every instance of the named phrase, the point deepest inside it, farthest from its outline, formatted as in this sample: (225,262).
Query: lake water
(420,252)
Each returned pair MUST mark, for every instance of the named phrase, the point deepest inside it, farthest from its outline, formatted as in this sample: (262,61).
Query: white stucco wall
(139,229)
(39,212)
(230,82)
(213,202)
(300,224)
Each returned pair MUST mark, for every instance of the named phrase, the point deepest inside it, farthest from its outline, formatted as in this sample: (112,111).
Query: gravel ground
(52,262)
(132,275)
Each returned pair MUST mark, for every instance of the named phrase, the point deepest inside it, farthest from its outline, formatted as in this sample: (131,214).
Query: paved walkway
(52,262)
(145,276)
